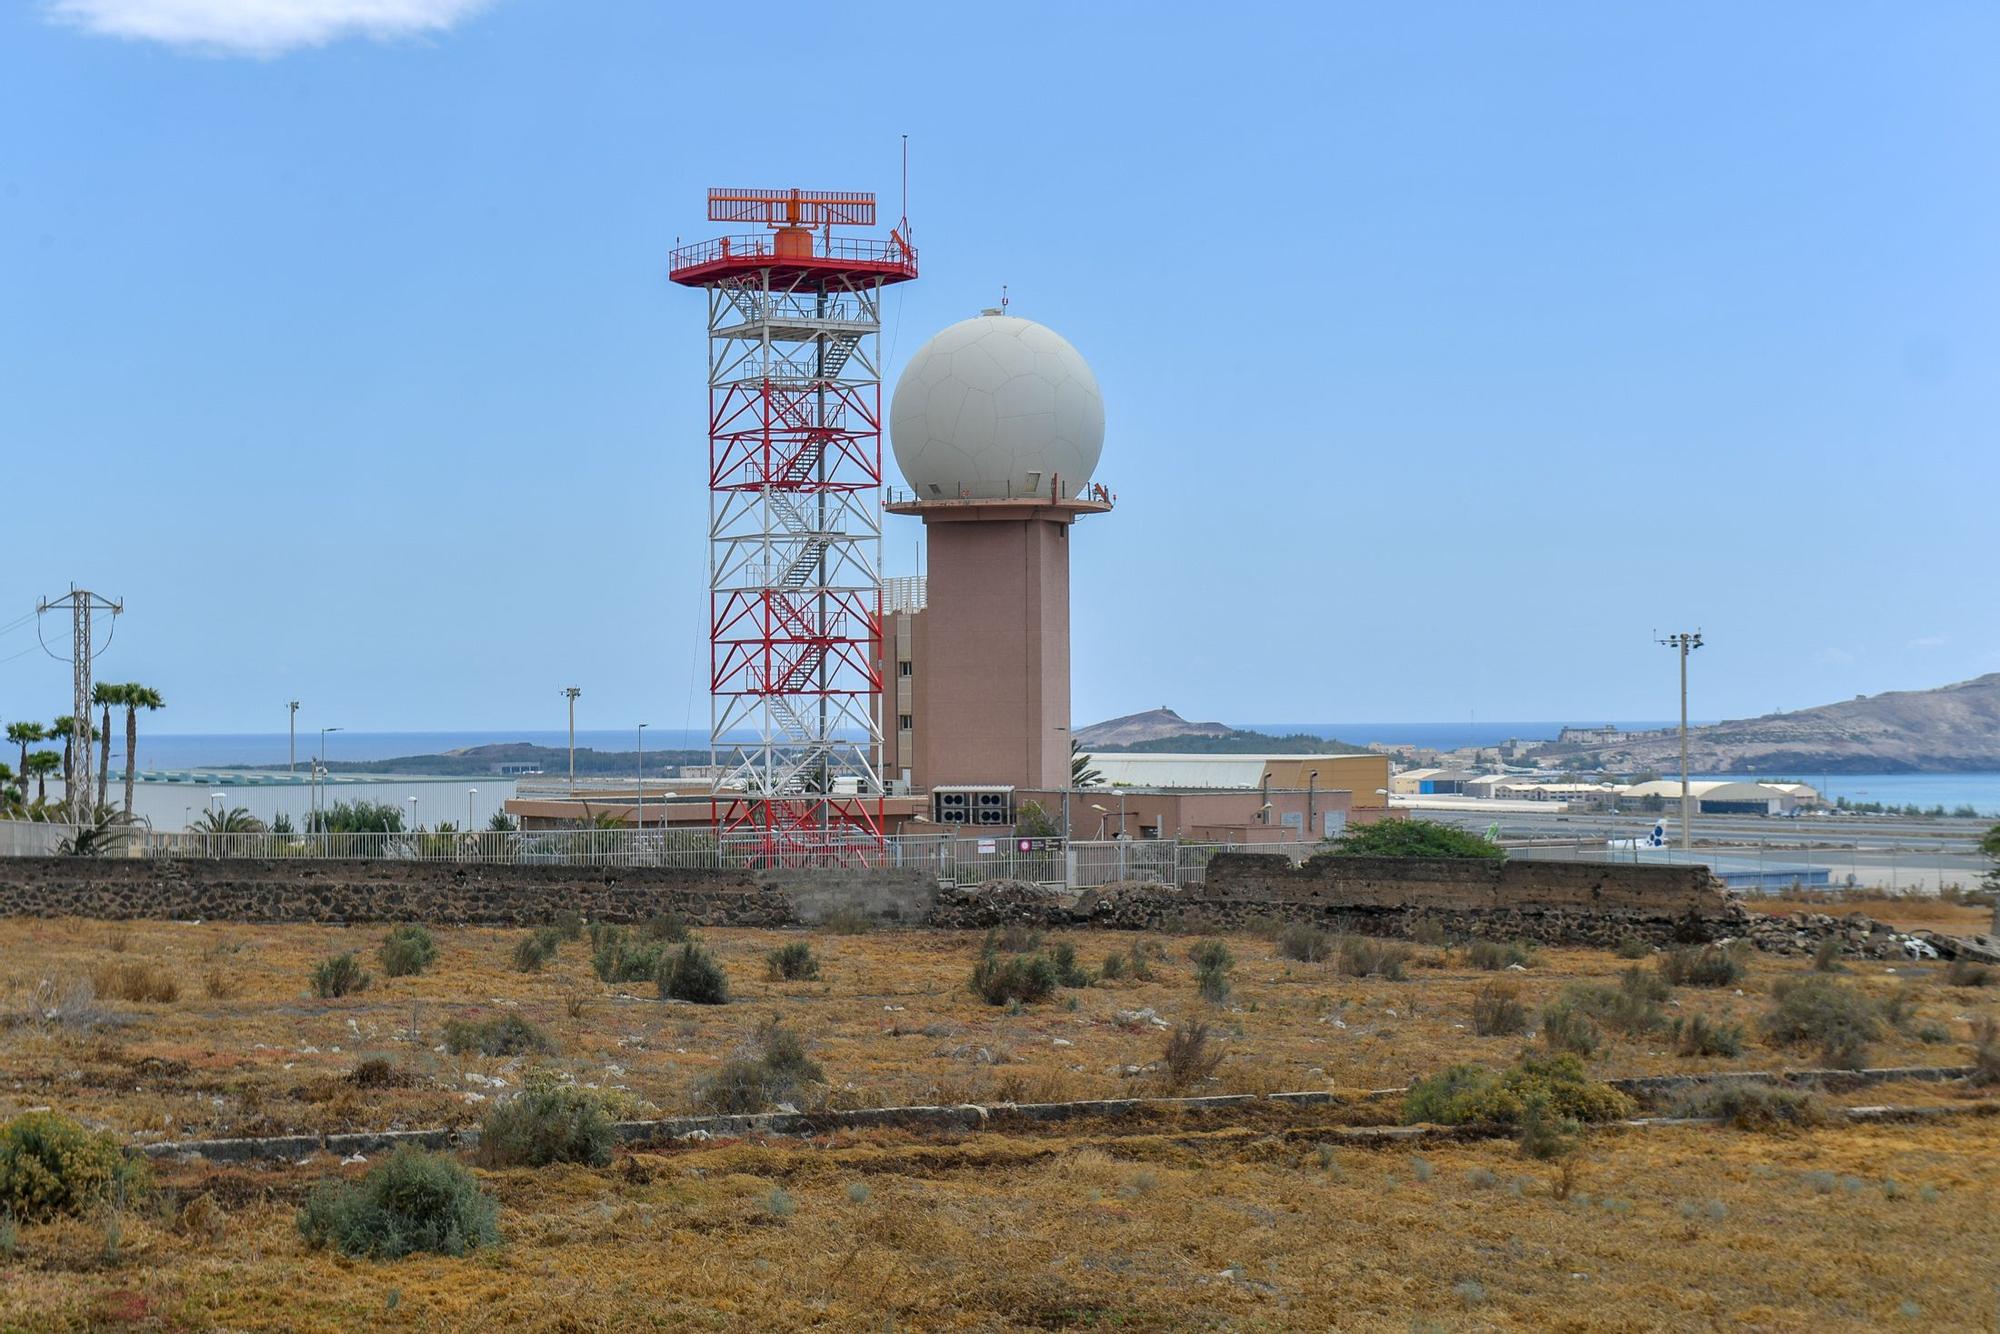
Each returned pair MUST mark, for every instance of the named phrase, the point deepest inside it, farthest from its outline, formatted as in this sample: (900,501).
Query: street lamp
(413,814)
(1103,814)
(1312,790)
(319,796)
(470,793)
(570,693)
(292,763)
(640,817)
(1687,642)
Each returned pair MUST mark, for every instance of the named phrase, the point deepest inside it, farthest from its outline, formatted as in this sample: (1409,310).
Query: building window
(903,668)
(905,721)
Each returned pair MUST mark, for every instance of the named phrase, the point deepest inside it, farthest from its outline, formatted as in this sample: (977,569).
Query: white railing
(953,859)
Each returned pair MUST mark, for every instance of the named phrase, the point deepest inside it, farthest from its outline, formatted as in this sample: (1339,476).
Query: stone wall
(442,892)
(1569,903)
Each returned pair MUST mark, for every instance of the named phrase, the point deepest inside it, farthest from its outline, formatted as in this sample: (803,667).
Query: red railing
(837,249)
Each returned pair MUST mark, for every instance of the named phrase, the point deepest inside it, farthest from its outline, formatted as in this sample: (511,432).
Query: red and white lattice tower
(795,517)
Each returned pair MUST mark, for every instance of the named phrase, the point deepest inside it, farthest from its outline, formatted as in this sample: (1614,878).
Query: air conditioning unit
(986,806)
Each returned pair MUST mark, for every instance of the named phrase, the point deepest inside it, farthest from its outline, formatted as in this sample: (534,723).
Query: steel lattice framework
(795,518)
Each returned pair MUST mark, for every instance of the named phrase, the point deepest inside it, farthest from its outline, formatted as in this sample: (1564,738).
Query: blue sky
(1448,350)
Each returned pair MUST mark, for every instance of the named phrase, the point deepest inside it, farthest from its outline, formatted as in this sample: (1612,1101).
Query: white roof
(1718,789)
(1155,769)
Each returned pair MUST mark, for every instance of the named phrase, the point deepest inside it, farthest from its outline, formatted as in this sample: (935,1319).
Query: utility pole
(81,603)
(571,692)
(641,819)
(292,762)
(1687,642)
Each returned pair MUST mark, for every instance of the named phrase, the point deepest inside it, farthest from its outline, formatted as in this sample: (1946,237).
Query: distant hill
(475,761)
(1951,729)
(1163,730)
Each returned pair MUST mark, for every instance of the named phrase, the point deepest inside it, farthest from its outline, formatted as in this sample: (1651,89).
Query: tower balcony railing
(763,245)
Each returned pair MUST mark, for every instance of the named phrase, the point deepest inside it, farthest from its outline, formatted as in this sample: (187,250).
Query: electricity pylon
(81,603)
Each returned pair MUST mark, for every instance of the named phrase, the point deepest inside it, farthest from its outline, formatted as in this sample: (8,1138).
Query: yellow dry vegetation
(1242,1221)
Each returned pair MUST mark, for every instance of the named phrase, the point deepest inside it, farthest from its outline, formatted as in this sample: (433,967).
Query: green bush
(1212,963)
(569,924)
(340,976)
(536,948)
(617,957)
(776,1072)
(1360,956)
(1497,1010)
(1750,1106)
(691,973)
(1411,838)
(407,951)
(1818,1011)
(1698,1035)
(792,962)
(1493,955)
(1567,1026)
(547,1123)
(1631,947)
(1632,1007)
(1188,1059)
(1702,966)
(1473,1094)
(1114,966)
(1304,942)
(1826,958)
(669,928)
(1016,977)
(508,1035)
(411,1201)
(51,1165)
(1069,972)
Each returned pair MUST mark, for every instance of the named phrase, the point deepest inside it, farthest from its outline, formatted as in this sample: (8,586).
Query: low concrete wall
(443,892)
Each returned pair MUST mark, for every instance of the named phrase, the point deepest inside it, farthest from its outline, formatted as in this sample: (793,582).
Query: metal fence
(953,860)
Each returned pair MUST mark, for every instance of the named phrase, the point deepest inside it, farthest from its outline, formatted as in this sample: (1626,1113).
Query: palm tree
(21,734)
(64,730)
(135,697)
(11,796)
(41,764)
(235,820)
(104,694)
(1080,772)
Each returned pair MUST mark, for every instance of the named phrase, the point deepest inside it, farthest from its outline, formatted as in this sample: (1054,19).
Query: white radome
(996,407)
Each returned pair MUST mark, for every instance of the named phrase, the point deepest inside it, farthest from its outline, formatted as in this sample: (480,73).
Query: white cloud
(1930,641)
(261,27)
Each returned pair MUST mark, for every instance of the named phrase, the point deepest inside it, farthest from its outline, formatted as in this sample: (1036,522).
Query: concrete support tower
(795,520)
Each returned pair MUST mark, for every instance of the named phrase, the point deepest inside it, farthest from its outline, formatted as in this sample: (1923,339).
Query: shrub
(547,1123)
(568,924)
(1114,967)
(340,976)
(1428,930)
(411,1201)
(1826,958)
(1544,1133)
(137,980)
(1698,1035)
(776,1069)
(847,920)
(691,973)
(1473,1094)
(1015,938)
(1966,973)
(1631,947)
(1818,1011)
(1304,942)
(792,962)
(1632,1007)
(1360,956)
(50,1165)
(617,957)
(1497,1010)
(407,951)
(1017,977)
(536,948)
(1069,973)
(1985,1052)
(667,927)
(1212,963)
(1702,966)
(507,1035)
(1493,956)
(1410,838)
(1567,1027)
(1189,1058)
(1750,1106)
(1899,1008)
(218,985)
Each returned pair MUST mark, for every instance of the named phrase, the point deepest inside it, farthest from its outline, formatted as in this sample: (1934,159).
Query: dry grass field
(1215,1222)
